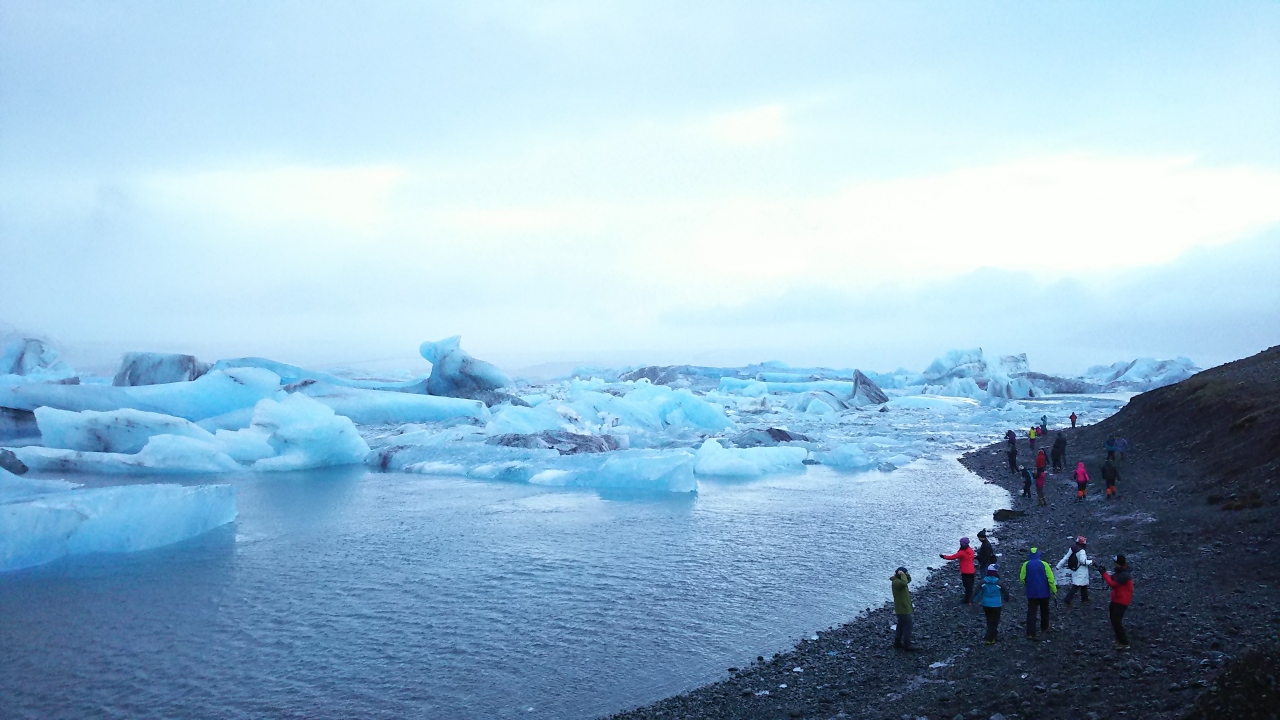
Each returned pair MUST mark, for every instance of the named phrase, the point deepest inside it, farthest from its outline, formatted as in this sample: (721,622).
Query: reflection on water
(347,594)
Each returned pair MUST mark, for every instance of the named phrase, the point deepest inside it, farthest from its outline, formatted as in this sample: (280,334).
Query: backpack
(1073,561)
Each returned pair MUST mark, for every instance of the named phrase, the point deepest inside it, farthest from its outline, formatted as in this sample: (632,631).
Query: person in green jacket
(902,608)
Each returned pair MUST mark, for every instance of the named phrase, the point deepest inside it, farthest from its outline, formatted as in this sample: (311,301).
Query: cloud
(756,126)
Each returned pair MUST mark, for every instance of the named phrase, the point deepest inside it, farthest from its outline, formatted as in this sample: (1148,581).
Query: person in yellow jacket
(1031,435)
(1038,577)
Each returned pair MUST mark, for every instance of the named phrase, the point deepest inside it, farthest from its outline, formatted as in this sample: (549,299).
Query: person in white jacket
(1079,573)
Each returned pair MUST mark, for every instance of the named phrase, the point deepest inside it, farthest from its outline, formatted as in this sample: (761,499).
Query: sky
(843,184)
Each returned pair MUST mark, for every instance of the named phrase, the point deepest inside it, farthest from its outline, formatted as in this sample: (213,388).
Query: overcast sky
(624,183)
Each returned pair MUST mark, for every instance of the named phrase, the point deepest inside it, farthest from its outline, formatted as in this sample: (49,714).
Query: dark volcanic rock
(767,438)
(687,376)
(1003,515)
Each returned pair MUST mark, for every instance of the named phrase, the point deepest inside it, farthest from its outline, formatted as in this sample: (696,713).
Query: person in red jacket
(965,556)
(1073,419)
(1120,581)
(1041,460)
(1082,480)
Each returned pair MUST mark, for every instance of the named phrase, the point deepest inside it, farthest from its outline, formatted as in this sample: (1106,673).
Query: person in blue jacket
(1038,577)
(992,596)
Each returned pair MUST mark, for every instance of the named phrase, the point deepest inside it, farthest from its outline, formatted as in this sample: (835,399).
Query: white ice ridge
(292,433)
(216,393)
(41,521)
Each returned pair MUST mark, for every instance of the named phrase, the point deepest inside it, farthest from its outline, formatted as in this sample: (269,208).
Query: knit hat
(993,569)
(901,570)
(1120,560)
(964,541)
(982,533)
(1082,540)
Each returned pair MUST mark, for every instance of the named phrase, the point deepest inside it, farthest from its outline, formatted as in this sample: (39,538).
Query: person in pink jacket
(965,556)
(1082,480)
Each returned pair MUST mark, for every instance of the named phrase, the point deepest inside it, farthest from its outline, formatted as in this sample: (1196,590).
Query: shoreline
(1186,624)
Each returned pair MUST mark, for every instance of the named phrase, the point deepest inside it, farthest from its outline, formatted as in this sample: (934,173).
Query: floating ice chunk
(162,454)
(218,392)
(957,364)
(31,357)
(645,470)
(290,374)
(847,456)
(714,459)
(936,403)
(1143,373)
(148,368)
(115,431)
(115,519)
(509,419)
(305,434)
(378,407)
(738,386)
(247,445)
(454,373)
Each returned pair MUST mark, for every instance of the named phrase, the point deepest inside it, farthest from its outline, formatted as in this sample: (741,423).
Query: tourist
(1110,474)
(1121,583)
(1077,561)
(1026,481)
(1059,453)
(965,556)
(1037,576)
(1073,418)
(1082,480)
(1013,459)
(1041,461)
(1044,424)
(1040,487)
(902,608)
(986,554)
(1121,446)
(1012,439)
(993,596)
(1110,447)
(1031,434)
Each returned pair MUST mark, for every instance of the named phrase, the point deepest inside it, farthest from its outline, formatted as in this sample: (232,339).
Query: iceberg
(148,368)
(293,433)
(846,456)
(1142,374)
(713,459)
(454,373)
(113,431)
(50,522)
(292,374)
(31,357)
(936,403)
(378,407)
(216,393)
(515,420)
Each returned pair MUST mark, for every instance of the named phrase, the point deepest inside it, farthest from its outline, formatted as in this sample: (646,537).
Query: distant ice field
(346,593)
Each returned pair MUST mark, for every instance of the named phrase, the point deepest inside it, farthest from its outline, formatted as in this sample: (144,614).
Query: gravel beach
(1196,515)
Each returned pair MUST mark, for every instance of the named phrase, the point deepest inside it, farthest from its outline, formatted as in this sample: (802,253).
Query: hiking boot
(991,642)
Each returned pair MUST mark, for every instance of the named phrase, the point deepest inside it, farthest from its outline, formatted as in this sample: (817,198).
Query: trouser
(1026,488)
(1040,493)
(967,580)
(1033,446)
(1111,488)
(1117,622)
(1073,422)
(1057,463)
(1111,454)
(1013,463)
(902,638)
(1080,490)
(993,623)
(1042,605)
(1071,592)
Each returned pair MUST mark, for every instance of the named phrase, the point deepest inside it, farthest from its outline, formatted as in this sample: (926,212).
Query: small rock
(997,716)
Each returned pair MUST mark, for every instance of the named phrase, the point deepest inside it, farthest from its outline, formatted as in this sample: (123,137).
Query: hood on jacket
(1122,575)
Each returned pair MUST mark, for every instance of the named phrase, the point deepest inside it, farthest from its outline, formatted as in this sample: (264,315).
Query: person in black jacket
(1110,474)
(1059,452)
(986,554)
(1013,459)
(1026,481)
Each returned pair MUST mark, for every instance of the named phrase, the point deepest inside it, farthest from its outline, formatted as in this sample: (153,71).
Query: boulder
(10,462)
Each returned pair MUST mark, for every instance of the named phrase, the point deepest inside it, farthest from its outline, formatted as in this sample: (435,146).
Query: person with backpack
(992,596)
(1082,480)
(1110,447)
(986,554)
(1110,474)
(1037,576)
(1122,445)
(1077,561)
(965,556)
(1026,481)
(902,608)
(1059,453)
(1073,418)
(1120,581)
(1040,487)
(1044,424)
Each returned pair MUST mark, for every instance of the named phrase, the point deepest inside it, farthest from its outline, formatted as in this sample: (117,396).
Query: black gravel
(1206,557)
